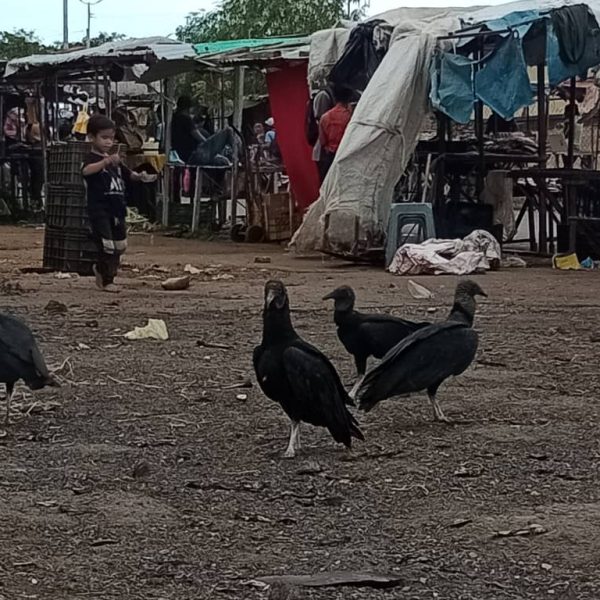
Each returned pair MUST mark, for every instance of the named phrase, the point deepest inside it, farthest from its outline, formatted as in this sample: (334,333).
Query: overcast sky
(139,18)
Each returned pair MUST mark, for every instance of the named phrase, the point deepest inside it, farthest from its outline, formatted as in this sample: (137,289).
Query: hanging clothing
(503,83)
(452,86)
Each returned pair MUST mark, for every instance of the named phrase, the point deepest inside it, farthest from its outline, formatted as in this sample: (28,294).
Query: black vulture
(20,358)
(298,376)
(426,358)
(364,335)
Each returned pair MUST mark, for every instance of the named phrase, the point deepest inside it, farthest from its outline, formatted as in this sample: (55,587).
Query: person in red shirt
(332,126)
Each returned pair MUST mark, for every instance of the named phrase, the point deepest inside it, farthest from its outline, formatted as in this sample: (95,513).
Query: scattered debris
(566,262)
(206,344)
(417,291)
(156,329)
(56,308)
(513,262)
(336,578)
(223,277)
(176,283)
(262,260)
(460,523)
(103,542)
(465,472)
(191,270)
(532,529)
(311,468)
(11,288)
(246,384)
(242,397)
(142,469)
(61,275)
(546,567)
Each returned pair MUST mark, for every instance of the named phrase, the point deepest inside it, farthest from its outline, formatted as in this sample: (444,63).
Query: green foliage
(20,43)
(238,19)
(102,38)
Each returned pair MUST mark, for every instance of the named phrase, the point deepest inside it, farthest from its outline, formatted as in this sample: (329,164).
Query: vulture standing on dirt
(426,358)
(299,377)
(20,358)
(364,335)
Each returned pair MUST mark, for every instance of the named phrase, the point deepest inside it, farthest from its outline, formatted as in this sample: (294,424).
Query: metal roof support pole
(480,130)
(238,108)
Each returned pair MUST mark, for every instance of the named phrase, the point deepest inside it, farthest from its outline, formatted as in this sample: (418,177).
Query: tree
(102,38)
(238,19)
(20,43)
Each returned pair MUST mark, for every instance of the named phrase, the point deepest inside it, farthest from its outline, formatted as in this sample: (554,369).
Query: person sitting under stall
(192,146)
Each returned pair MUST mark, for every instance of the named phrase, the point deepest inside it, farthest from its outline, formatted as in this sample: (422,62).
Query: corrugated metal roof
(160,48)
(245,44)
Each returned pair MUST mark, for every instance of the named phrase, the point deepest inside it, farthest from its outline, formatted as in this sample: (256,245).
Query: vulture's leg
(361,368)
(290,452)
(298,437)
(438,414)
(9,392)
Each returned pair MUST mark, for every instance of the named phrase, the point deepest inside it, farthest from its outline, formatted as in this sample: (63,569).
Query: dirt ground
(146,476)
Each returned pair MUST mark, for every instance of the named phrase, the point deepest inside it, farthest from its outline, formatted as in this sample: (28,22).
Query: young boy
(105,179)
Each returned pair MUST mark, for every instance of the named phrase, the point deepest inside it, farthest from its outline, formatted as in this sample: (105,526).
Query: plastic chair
(409,223)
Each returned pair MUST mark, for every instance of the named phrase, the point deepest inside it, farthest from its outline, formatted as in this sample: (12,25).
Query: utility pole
(89,4)
(65,24)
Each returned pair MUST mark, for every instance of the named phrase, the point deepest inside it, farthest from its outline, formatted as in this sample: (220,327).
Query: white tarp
(355,198)
(477,252)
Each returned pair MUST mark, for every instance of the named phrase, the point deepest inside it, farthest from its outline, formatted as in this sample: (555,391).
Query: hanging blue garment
(503,83)
(452,86)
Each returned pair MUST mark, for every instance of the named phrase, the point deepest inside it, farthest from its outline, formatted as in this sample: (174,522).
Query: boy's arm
(95,167)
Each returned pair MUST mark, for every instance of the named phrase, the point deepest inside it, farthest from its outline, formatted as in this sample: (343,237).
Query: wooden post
(542,126)
(167,118)
(238,108)
(43,138)
(196,200)
(571,138)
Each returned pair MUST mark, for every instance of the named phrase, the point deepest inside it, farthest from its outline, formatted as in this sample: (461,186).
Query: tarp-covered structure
(350,217)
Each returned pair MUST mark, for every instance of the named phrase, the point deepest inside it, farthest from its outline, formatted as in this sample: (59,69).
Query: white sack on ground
(355,199)
(477,252)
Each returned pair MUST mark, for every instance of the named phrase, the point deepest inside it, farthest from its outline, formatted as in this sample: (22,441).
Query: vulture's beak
(330,296)
(271,297)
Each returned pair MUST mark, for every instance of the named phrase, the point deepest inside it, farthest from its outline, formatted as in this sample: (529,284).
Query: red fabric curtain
(288,95)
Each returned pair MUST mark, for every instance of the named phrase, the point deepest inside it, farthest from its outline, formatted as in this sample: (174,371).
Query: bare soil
(145,477)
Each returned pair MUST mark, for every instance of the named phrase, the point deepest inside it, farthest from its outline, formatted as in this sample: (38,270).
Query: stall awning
(151,51)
